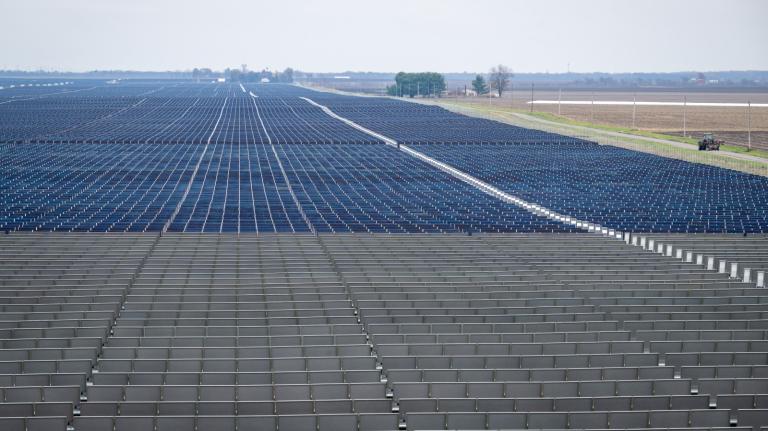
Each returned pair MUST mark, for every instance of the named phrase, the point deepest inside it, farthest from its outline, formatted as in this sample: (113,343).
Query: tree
(478,84)
(286,76)
(232,74)
(422,84)
(500,76)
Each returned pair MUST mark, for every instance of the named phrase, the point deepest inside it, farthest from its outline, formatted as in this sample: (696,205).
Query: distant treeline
(96,74)
(196,73)
(596,79)
(691,79)
(417,84)
(253,76)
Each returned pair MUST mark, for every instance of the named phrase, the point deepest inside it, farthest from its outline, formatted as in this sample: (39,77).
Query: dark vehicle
(709,143)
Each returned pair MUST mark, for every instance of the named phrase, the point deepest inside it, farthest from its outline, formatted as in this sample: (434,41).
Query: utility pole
(634,109)
(685,104)
(490,90)
(531,97)
(749,126)
(592,111)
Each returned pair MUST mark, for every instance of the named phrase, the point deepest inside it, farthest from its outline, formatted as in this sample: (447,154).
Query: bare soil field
(728,123)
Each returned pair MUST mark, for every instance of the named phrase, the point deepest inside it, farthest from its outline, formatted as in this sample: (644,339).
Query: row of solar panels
(373,332)
(338,188)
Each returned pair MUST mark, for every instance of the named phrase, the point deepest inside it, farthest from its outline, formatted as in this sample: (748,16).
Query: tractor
(709,143)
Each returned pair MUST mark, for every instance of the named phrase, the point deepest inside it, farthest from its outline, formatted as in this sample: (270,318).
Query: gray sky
(391,35)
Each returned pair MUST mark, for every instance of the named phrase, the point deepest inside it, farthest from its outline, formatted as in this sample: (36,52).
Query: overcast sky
(387,35)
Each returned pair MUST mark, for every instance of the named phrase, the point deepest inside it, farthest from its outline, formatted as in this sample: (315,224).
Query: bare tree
(499,79)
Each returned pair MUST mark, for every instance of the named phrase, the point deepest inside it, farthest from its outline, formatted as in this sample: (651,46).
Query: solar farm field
(219,256)
(175,156)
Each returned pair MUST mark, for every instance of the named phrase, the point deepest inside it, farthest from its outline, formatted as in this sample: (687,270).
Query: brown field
(728,123)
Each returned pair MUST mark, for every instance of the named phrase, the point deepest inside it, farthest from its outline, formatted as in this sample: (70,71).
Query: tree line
(498,81)
(254,76)
(417,84)
(245,76)
(431,84)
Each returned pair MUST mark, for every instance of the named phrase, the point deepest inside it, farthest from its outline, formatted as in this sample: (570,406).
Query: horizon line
(44,71)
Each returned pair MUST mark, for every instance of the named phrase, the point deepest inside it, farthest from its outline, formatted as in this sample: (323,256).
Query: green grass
(610,128)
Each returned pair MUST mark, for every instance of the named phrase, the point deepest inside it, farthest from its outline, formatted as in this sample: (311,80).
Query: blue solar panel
(98,187)
(149,155)
(375,188)
(614,187)
(617,188)
(239,188)
(212,158)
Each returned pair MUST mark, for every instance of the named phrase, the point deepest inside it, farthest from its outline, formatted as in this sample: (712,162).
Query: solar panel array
(16,89)
(98,187)
(218,256)
(214,158)
(555,332)
(639,192)
(372,332)
(147,156)
(59,297)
